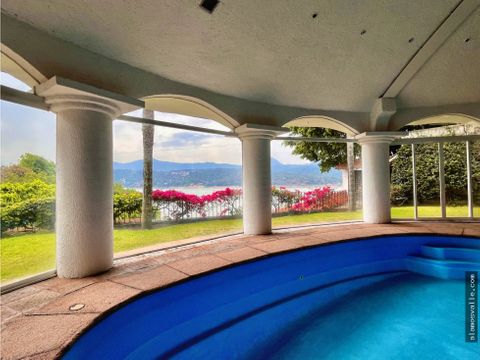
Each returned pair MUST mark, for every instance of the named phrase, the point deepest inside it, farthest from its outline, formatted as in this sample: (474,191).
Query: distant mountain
(172,166)
(172,174)
(278,167)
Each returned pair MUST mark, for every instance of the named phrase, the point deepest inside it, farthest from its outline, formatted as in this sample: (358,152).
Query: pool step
(450,253)
(441,268)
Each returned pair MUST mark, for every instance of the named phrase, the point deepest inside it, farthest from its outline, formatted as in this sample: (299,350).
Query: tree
(148,131)
(427,173)
(327,155)
(30,167)
(352,204)
(17,174)
(43,168)
(37,164)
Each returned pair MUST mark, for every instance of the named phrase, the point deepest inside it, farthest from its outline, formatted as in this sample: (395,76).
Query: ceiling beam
(383,109)
(448,26)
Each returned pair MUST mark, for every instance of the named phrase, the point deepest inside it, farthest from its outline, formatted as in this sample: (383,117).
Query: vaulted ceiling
(330,54)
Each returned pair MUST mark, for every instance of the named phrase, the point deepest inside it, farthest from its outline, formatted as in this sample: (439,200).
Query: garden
(28,209)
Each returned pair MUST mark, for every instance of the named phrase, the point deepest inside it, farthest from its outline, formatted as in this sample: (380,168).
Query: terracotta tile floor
(40,320)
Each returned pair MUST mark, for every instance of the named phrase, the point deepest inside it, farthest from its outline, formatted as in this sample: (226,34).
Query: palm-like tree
(148,131)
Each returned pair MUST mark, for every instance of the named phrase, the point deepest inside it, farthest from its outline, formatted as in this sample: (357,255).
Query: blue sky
(25,129)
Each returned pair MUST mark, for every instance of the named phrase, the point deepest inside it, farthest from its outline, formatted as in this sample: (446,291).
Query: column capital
(63,94)
(257,131)
(379,137)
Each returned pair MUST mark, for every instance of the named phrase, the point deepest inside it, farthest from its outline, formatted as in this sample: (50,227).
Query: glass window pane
(196,182)
(455,159)
(428,183)
(302,194)
(401,190)
(475,163)
(27,190)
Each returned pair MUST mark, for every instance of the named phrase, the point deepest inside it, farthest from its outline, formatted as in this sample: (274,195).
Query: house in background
(357,182)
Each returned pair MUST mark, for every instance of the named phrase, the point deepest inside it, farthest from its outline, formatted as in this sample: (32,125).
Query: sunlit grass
(432,211)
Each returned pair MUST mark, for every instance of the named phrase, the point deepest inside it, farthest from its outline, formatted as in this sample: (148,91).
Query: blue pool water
(404,317)
(384,298)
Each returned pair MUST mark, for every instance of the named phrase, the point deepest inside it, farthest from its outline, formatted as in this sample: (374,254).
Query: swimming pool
(349,300)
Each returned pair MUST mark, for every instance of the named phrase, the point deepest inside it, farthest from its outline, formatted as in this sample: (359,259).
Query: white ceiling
(452,75)
(273,51)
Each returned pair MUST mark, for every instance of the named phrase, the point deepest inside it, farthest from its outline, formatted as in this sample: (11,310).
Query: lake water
(203,190)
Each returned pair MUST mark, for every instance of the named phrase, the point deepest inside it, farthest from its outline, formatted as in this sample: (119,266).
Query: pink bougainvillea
(320,199)
(178,205)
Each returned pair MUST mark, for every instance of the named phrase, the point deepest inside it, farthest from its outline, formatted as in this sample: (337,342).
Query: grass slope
(28,254)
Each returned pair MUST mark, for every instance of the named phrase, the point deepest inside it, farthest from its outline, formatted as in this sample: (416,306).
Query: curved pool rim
(277,254)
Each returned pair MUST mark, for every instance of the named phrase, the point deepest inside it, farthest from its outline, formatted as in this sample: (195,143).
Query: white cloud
(284,154)
(174,145)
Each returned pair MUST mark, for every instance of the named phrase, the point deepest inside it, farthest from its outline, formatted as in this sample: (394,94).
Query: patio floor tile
(199,264)
(151,279)
(29,335)
(96,298)
(276,246)
(241,254)
(33,301)
(65,286)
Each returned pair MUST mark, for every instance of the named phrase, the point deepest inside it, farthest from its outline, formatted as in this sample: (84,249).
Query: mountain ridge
(171,174)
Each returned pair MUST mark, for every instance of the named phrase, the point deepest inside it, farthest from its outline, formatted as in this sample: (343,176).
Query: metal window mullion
(469,179)
(414,179)
(441,175)
(142,120)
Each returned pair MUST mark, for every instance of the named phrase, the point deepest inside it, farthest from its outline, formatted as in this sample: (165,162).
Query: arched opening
(19,68)
(433,170)
(28,172)
(409,119)
(322,122)
(327,180)
(194,171)
(189,106)
(445,119)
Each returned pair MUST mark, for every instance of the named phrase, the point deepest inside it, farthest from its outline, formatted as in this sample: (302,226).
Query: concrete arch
(445,119)
(322,121)
(190,106)
(18,67)
(448,114)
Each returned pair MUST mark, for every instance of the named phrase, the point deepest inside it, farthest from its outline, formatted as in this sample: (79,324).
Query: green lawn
(29,254)
(432,211)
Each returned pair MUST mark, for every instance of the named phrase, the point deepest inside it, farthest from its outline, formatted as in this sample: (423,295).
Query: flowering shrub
(176,205)
(283,199)
(30,206)
(228,199)
(320,199)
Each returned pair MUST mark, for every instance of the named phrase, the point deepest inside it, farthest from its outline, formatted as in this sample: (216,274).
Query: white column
(376,176)
(84,204)
(257,182)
